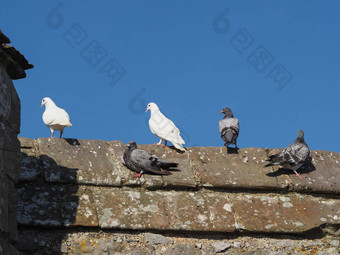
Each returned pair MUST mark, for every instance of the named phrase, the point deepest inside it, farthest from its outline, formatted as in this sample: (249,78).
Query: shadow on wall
(47,199)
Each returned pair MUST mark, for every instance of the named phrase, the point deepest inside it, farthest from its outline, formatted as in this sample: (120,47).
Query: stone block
(273,213)
(78,161)
(245,170)
(39,206)
(325,178)
(77,206)
(160,210)
(31,168)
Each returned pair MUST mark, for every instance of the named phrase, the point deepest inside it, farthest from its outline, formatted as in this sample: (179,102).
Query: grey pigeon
(229,127)
(293,156)
(141,161)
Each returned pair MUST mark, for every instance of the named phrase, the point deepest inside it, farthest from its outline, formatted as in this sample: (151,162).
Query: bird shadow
(231,150)
(72,141)
(306,168)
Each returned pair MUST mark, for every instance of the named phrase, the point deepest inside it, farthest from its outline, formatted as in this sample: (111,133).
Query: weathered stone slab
(30,163)
(245,170)
(30,168)
(77,206)
(131,209)
(283,214)
(78,161)
(326,176)
(39,206)
(26,142)
(84,244)
(184,176)
(182,249)
(200,211)
(160,210)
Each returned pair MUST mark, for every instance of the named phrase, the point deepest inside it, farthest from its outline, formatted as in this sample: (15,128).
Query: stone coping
(98,162)
(202,211)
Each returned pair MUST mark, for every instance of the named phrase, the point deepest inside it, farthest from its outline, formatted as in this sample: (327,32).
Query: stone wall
(12,66)
(76,197)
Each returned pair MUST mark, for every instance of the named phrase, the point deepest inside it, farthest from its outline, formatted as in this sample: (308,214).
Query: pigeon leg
(165,142)
(236,146)
(301,177)
(61,133)
(138,175)
(52,134)
(160,142)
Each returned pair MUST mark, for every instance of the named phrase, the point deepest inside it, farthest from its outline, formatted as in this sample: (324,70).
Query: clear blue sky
(192,58)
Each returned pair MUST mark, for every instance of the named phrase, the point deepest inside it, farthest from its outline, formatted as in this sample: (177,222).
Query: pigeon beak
(147,109)
(42,105)
(221,111)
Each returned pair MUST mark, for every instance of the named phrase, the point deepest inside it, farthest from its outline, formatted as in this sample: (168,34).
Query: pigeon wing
(61,118)
(229,122)
(146,162)
(166,129)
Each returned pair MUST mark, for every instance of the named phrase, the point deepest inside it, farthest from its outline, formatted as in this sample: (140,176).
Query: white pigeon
(164,128)
(54,117)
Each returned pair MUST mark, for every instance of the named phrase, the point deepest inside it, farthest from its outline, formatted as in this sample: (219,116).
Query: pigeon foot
(138,175)
(299,175)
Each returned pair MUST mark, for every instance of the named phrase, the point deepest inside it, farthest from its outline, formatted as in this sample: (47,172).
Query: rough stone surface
(157,239)
(39,206)
(284,214)
(101,208)
(245,170)
(9,147)
(160,210)
(221,246)
(78,161)
(92,242)
(184,249)
(326,176)
(77,206)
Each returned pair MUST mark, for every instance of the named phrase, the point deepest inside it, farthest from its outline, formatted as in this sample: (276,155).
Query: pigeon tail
(229,135)
(274,160)
(167,165)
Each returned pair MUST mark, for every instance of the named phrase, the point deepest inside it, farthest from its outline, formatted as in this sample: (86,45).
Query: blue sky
(274,63)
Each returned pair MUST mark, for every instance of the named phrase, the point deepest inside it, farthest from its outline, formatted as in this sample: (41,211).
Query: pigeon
(293,156)
(229,127)
(141,161)
(164,128)
(54,117)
